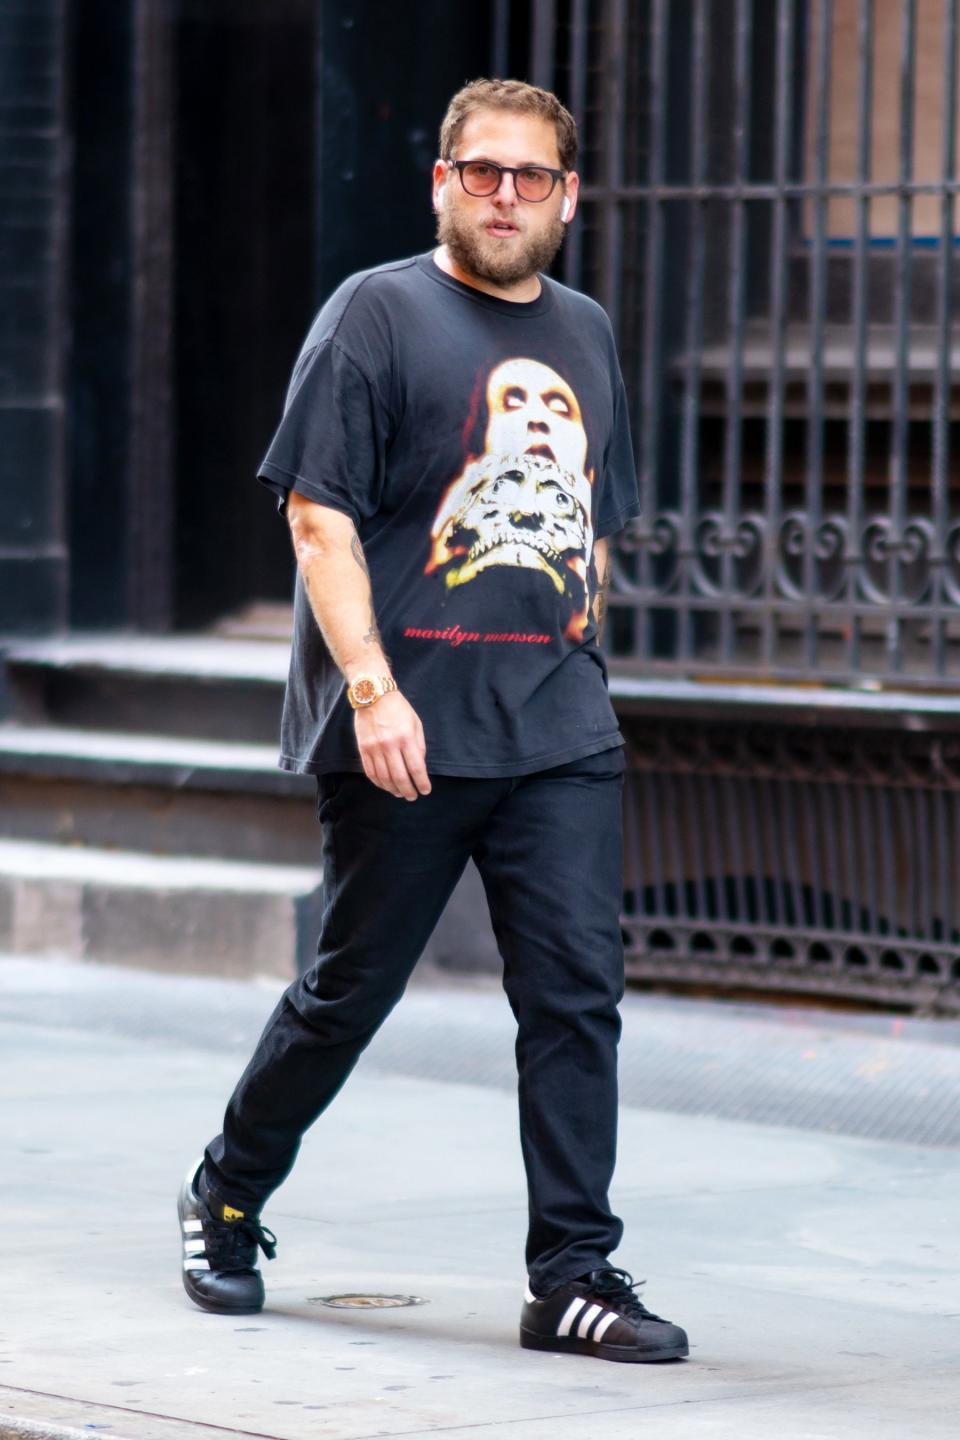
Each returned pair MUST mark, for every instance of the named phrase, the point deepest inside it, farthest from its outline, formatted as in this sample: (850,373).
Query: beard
(497,262)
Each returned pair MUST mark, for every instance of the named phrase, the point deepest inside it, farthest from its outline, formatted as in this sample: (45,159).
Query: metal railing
(768,218)
(788,859)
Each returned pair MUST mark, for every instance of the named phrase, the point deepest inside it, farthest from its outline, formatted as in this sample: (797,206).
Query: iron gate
(768,218)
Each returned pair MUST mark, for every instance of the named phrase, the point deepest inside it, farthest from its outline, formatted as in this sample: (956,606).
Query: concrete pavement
(817,1271)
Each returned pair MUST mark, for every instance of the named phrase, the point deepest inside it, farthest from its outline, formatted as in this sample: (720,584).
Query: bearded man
(433,742)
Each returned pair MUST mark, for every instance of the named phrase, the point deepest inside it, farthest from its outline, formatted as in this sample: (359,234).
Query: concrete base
(172,914)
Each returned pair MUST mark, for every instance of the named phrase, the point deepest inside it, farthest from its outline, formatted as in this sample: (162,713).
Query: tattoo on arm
(603,600)
(356,549)
(372,636)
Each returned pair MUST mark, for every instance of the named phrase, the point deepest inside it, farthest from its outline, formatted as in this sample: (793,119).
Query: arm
(331,562)
(601,559)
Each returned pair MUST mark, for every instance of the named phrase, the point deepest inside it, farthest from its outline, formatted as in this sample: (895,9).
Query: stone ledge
(175,914)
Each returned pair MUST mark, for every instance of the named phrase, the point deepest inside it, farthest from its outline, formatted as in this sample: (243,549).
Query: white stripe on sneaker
(571,1314)
(528,1295)
(604,1325)
(587,1319)
(192,1227)
(195,1263)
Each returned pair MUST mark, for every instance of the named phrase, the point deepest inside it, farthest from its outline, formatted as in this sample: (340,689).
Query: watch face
(364,691)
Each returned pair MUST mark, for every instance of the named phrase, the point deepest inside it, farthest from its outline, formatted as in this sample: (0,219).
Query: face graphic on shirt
(526,500)
(532,410)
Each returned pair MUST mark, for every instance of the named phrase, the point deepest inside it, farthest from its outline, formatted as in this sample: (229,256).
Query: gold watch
(366,689)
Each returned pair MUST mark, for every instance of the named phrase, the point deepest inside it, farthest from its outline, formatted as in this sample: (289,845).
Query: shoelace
(232,1244)
(619,1288)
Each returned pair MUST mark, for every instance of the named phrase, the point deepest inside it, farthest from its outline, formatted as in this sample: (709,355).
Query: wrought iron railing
(768,217)
(794,859)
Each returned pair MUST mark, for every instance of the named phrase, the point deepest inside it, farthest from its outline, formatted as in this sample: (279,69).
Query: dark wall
(184,181)
(244,256)
(386,74)
(306,133)
(33,217)
(99,311)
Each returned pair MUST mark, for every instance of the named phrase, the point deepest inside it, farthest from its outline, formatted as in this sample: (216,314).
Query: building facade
(768,216)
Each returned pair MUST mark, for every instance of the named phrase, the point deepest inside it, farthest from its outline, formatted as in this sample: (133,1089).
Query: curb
(18,1427)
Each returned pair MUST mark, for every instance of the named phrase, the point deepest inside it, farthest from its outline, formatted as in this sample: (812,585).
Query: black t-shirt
(479,446)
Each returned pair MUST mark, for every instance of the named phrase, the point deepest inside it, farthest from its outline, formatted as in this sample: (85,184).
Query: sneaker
(600,1314)
(220,1251)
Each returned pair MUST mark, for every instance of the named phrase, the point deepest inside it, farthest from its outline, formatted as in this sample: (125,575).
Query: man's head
(504,235)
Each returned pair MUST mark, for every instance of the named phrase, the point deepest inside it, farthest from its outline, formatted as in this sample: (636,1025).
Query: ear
(441,173)
(571,189)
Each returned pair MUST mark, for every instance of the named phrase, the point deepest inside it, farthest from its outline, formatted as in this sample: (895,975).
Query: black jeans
(548,848)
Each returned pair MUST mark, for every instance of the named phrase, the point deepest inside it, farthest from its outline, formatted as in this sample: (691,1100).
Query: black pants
(548,848)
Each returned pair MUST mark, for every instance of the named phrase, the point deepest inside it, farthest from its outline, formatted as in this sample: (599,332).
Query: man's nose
(506,191)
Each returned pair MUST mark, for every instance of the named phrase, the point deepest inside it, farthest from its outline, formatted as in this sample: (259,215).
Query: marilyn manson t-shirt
(480,447)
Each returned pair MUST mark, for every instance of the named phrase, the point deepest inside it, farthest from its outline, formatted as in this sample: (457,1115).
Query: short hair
(514,95)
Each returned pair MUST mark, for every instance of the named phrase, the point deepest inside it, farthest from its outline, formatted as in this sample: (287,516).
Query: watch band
(366,690)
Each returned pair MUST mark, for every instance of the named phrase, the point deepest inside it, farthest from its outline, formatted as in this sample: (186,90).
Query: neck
(520,293)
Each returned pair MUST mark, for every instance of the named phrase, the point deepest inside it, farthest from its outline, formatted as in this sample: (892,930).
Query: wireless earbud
(565,208)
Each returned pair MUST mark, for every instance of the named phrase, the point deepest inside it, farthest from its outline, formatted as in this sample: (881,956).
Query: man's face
(500,238)
(533,411)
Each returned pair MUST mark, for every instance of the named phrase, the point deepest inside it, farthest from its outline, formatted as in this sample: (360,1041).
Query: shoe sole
(203,1304)
(572,1345)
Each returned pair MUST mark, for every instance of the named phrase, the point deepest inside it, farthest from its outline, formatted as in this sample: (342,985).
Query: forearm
(337,582)
(601,560)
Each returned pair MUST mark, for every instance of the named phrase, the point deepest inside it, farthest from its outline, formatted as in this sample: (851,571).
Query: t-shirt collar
(517,309)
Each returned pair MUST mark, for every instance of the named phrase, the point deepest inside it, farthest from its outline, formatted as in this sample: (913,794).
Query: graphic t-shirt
(480,447)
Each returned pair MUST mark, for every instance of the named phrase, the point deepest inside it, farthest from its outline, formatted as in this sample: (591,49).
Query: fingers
(415,758)
(394,755)
(400,783)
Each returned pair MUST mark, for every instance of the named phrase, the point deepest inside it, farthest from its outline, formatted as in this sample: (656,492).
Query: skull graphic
(514,510)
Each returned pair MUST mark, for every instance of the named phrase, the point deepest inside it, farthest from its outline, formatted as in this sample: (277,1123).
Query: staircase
(143,819)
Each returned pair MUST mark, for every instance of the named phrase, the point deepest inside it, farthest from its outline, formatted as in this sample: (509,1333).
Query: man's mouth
(501,228)
(543,450)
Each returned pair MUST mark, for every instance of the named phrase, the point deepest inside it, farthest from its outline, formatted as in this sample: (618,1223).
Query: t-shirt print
(525,500)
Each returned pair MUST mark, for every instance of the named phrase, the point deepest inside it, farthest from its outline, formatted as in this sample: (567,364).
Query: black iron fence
(780,857)
(769,220)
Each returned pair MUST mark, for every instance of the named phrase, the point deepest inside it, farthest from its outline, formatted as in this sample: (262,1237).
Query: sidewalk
(818,1273)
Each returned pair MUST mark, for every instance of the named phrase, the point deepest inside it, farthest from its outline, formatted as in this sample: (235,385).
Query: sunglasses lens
(534,184)
(480,179)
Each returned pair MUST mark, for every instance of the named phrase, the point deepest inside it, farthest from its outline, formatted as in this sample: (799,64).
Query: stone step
(186,686)
(182,913)
(156,793)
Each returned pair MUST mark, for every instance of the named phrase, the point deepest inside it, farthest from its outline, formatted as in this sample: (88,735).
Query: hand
(392,746)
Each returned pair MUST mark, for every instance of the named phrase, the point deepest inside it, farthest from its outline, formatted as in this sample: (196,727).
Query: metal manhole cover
(366,1302)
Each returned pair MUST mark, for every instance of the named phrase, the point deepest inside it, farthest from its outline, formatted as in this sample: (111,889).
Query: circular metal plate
(366,1302)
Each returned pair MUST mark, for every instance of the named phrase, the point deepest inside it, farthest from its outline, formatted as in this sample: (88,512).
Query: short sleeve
(619,496)
(331,443)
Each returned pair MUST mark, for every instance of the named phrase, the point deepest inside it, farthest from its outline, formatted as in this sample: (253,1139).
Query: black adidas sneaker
(220,1252)
(600,1314)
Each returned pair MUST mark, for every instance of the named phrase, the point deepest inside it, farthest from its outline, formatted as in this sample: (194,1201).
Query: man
(447,691)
